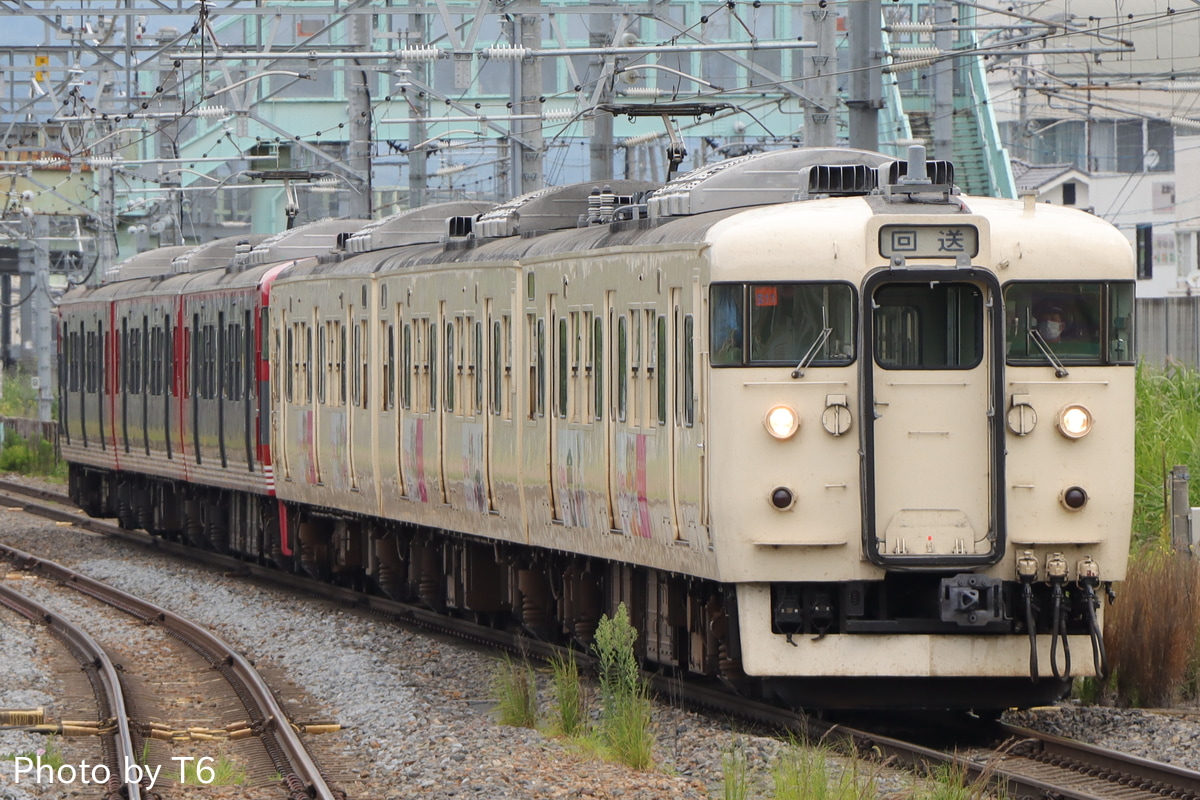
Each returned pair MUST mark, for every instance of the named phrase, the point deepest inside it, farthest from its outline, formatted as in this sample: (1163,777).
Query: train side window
(309,366)
(496,376)
(322,365)
(689,371)
(598,367)
(541,367)
(506,393)
(340,363)
(289,359)
(728,331)
(450,373)
(477,367)
(432,361)
(661,339)
(389,366)
(622,366)
(406,365)
(364,364)
(563,356)
(356,379)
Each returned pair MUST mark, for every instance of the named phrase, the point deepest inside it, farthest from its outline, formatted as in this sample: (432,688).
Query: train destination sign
(928,241)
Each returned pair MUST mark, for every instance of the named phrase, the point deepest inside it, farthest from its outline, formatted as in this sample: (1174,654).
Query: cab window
(1078,322)
(763,324)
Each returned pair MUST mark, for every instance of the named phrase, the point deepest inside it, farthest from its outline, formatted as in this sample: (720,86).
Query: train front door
(932,432)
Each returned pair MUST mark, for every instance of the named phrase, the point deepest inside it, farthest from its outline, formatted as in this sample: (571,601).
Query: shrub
(625,717)
(1151,632)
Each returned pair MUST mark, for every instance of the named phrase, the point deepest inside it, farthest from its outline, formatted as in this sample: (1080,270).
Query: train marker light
(782,422)
(782,498)
(1074,421)
(1074,498)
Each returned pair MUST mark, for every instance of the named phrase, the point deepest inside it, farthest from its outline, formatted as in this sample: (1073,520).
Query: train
(834,433)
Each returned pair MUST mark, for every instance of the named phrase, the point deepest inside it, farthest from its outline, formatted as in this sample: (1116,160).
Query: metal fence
(1168,328)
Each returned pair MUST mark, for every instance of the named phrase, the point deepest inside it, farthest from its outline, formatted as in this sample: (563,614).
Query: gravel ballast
(417,709)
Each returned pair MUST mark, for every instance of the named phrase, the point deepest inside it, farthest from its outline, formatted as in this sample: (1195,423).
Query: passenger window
(477,368)
(689,371)
(563,355)
(662,369)
(782,324)
(622,367)
(598,366)
(449,398)
(407,366)
(497,381)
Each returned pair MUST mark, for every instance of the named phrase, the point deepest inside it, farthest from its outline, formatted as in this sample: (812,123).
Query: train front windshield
(1079,322)
(782,323)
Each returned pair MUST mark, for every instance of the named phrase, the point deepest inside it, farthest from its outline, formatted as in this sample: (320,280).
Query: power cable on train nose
(1089,580)
(1056,571)
(1027,568)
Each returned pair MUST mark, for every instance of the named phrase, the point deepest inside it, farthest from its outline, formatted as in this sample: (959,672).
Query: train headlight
(782,422)
(1074,421)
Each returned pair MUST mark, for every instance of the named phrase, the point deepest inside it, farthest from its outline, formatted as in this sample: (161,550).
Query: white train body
(812,421)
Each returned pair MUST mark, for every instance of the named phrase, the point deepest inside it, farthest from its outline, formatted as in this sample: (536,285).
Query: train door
(932,432)
(558,345)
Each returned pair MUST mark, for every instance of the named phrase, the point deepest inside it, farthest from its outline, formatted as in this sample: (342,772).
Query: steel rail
(301,774)
(117,744)
(1026,764)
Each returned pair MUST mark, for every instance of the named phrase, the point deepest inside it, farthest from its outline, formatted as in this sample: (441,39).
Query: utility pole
(820,116)
(866,56)
(359,108)
(106,211)
(43,341)
(601,145)
(418,171)
(34,264)
(943,84)
(529,89)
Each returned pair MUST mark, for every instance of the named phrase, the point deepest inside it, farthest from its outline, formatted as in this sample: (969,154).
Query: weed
(1151,633)
(514,685)
(569,695)
(221,771)
(1167,424)
(804,773)
(625,718)
(735,774)
(50,755)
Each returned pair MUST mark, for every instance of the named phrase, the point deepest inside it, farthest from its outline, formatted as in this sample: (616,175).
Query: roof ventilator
(837,180)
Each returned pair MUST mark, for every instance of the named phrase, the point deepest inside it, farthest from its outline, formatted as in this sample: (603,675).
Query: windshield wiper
(822,337)
(1059,370)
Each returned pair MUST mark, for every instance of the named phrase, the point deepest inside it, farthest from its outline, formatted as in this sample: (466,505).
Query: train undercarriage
(687,625)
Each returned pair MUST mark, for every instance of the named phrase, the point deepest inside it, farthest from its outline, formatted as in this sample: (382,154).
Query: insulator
(643,91)
(1184,122)
(410,54)
(558,115)
(209,112)
(509,53)
(1176,87)
(103,161)
(642,138)
(910,27)
(453,169)
(915,53)
(904,66)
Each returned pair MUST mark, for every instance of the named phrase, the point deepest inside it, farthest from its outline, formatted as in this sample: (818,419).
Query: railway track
(1026,763)
(118,738)
(266,720)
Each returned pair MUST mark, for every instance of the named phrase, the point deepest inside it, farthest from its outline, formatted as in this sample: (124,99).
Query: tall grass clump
(1152,631)
(735,773)
(570,699)
(625,718)
(1168,423)
(954,783)
(804,773)
(514,686)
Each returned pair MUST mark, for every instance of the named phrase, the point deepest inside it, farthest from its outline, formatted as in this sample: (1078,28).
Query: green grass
(570,698)
(735,773)
(1168,423)
(514,687)
(219,771)
(50,754)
